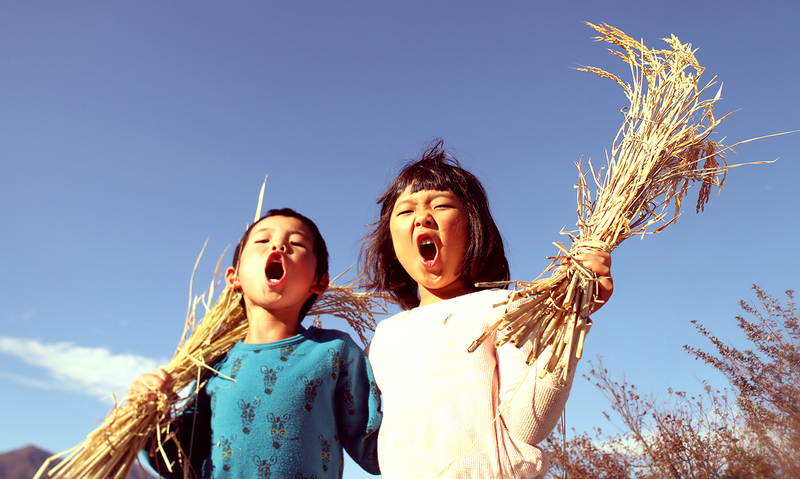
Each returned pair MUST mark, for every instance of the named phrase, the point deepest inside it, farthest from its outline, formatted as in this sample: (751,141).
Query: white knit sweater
(440,402)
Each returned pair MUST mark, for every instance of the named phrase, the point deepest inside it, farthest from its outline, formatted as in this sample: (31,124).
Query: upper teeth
(426,241)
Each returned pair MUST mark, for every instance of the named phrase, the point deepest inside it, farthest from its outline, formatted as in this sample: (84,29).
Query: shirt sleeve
(531,406)
(358,408)
(191,430)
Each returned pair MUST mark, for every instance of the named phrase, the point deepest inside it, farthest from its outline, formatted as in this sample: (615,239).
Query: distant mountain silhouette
(24,463)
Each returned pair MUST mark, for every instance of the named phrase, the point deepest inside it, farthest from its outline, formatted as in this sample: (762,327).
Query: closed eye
(299,240)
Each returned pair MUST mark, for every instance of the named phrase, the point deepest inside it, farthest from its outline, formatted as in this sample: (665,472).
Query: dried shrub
(749,431)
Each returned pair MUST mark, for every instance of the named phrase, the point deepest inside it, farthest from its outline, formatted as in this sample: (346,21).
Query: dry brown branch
(662,148)
(749,430)
(110,451)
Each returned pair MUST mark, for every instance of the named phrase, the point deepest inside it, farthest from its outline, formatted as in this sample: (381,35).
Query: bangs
(434,174)
(431,180)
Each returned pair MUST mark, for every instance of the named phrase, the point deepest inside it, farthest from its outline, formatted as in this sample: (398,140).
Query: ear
(232,279)
(320,286)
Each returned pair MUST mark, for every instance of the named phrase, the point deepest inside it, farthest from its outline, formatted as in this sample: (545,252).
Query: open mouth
(427,249)
(274,269)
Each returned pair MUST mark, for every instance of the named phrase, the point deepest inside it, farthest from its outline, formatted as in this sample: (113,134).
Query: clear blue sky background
(131,132)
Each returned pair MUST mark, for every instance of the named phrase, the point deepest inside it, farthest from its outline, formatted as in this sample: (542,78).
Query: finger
(140,389)
(602,256)
(604,291)
(150,383)
(606,288)
(166,379)
(599,264)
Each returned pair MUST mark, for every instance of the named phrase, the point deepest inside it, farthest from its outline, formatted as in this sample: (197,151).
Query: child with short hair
(447,412)
(286,400)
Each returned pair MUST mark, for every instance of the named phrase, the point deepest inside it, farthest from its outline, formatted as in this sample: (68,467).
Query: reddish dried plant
(756,434)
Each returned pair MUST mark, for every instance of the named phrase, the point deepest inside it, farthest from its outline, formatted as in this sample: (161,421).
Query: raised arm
(531,406)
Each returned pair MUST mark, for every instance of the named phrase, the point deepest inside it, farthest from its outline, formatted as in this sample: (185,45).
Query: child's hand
(599,262)
(150,383)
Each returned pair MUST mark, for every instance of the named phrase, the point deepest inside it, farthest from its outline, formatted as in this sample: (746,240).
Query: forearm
(530,406)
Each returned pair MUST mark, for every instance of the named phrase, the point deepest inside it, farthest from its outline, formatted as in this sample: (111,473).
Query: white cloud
(94,371)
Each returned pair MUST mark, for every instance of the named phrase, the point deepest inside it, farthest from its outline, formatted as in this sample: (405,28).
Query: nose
(424,218)
(278,247)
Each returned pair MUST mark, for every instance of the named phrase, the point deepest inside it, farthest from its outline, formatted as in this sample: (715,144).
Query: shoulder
(330,338)
(384,324)
(488,296)
(321,334)
(477,302)
(480,304)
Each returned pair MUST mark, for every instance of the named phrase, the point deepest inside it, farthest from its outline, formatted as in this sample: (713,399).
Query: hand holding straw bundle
(662,148)
(110,451)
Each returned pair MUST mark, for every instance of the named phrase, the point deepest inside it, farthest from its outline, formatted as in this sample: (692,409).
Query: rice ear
(662,148)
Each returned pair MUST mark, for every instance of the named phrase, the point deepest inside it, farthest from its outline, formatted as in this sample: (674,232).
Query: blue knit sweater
(289,410)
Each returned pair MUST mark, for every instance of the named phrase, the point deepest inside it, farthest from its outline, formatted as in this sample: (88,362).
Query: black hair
(318,245)
(435,170)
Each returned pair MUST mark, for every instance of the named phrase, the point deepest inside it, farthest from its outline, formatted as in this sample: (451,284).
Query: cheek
(458,232)
(463,231)
(395,236)
(395,246)
(402,248)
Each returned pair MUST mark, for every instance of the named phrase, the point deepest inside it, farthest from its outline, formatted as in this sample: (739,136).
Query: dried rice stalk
(662,148)
(111,450)
(357,308)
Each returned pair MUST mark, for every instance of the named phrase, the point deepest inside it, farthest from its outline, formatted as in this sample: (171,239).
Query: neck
(268,328)
(453,290)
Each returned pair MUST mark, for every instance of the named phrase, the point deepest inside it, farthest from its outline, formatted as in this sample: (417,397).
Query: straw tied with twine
(661,149)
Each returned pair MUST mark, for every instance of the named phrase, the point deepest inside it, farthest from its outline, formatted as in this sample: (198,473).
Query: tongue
(428,251)
(274,271)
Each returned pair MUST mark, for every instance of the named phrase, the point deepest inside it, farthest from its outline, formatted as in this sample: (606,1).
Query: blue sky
(132,132)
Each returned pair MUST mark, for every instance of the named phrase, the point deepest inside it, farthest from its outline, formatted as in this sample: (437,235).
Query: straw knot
(590,244)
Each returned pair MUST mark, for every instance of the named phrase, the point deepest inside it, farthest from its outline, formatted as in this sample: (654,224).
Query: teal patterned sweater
(292,407)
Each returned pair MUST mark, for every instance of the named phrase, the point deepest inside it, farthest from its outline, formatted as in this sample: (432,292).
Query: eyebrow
(268,229)
(436,195)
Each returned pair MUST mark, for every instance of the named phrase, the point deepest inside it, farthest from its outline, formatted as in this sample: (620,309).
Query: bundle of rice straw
(662,147)
(111,450)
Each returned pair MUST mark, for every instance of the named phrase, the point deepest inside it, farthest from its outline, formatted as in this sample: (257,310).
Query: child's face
(430,237)
(277,267)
